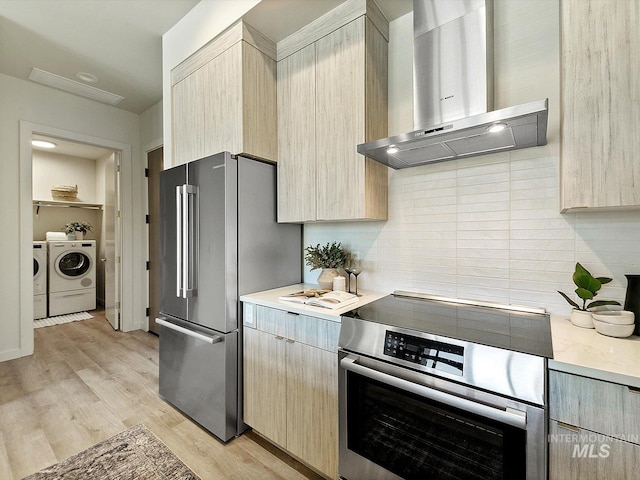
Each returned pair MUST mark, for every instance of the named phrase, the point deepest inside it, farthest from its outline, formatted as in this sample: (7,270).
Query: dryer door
(73,264)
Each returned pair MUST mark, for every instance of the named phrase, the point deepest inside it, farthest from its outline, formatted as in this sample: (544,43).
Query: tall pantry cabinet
(332,95)
(224,98)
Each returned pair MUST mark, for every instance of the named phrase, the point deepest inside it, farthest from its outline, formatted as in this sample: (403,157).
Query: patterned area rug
(135,454)
(72,317)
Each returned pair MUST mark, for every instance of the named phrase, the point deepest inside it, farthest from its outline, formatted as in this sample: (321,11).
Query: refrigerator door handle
(190,333)
(186,251)
(179,231)
(190,247)
(185,242)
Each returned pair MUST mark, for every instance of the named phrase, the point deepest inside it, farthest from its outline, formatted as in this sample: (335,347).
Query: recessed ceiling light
(87,77)
(496,127)
(43,144)
(392,149)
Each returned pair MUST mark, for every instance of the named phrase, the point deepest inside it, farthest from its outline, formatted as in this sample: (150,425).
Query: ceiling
(120,41)
(71,149)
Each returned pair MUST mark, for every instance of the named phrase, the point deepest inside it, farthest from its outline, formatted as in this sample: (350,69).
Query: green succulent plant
(588,288)
(328,256)
(83,227)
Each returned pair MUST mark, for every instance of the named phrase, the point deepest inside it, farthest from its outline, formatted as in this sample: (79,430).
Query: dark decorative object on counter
(632,299)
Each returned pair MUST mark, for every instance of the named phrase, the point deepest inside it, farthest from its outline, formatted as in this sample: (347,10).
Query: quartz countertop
(583,351)
(269,298)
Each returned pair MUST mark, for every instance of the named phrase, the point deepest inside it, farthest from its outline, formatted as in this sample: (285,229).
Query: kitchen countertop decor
(269,298)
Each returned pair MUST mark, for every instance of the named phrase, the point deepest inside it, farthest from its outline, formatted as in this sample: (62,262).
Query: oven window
(417,438)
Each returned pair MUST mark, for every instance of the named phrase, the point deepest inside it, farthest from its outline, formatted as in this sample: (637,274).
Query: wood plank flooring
(85,383)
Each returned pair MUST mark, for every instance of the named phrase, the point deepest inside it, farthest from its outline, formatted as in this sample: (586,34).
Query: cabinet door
(297,137)
(265,407)
(578,454)
(188,119)
(312,406)
(601,103)
(340,127)
(222,99)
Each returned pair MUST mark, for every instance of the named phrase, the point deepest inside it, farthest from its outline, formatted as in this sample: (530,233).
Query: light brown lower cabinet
(291,385)
(593,429)
(579,454)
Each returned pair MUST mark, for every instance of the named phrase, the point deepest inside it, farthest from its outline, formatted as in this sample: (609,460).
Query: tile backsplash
(487,228)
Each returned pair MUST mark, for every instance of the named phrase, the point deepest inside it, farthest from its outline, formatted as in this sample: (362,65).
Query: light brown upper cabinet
(224,98)
(332,95)
(600,159)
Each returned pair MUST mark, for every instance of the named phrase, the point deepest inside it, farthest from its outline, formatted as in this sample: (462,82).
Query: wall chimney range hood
(453,92)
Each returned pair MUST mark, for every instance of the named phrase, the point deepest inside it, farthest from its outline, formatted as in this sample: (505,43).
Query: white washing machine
(72,276)
(39,280)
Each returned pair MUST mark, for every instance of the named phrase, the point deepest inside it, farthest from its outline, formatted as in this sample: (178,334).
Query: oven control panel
(441,356)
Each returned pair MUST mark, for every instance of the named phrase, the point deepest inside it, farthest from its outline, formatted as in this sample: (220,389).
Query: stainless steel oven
(417,404)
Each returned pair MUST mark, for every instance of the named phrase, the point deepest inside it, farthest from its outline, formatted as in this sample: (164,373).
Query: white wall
(25,106)
(50,169)
(489,227)
(151,128)
(203,23)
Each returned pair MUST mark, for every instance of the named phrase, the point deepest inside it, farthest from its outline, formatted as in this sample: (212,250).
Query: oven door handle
(516,419)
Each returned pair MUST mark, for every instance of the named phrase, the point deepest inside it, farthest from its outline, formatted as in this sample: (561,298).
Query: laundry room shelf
(63,204)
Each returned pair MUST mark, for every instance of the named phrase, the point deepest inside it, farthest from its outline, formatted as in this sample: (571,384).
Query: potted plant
(77,230)
(588,288)
(328,257)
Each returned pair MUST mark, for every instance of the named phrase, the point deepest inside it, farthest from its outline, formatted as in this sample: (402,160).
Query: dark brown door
(155,165)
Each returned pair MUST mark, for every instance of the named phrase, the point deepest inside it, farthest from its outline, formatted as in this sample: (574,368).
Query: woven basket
(64,192)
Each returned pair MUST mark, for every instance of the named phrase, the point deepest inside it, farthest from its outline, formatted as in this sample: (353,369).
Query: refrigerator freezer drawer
(199,375)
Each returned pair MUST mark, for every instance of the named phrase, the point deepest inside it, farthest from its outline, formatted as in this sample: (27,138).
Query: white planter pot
(580,318)
(325,279)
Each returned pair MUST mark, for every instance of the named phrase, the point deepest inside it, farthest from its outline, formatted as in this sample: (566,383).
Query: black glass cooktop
(515,330)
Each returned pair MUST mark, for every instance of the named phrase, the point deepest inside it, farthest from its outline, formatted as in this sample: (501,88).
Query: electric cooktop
(525,330)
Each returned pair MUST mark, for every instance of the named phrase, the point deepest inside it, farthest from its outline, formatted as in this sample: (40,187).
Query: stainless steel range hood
(453,92)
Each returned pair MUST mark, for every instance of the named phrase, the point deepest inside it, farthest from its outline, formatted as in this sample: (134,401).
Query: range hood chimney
(453,92)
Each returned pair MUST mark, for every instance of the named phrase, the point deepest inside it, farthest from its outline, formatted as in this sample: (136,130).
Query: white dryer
(39,280)
(72,276)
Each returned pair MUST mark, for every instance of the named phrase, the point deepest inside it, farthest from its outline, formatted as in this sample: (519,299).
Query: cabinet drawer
(603,407)
(271,320)
(577,454)
(313,331)
(316,332)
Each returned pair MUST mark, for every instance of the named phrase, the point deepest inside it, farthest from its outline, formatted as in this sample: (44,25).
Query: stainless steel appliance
(219,240)
(442,389)
(453,92)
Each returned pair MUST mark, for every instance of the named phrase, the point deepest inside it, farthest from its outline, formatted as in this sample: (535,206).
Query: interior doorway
(92,173)
(155,160)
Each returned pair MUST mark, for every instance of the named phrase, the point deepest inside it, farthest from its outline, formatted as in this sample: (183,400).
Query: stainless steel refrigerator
(219,240)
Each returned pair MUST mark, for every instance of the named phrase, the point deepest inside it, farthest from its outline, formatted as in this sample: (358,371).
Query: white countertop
(583,351)
(269,298)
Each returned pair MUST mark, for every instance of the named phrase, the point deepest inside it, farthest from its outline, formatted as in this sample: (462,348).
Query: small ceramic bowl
(613,330)
(617,317)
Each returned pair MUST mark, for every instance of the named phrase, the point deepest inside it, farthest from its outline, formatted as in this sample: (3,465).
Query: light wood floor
(85,383)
